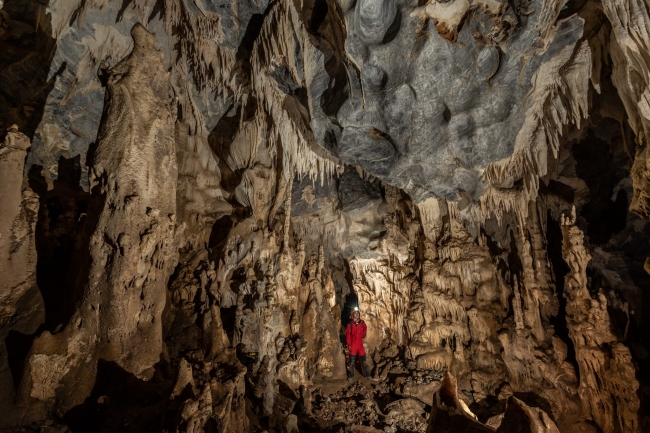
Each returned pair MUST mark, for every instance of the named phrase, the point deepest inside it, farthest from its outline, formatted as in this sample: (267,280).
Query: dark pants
(364,365)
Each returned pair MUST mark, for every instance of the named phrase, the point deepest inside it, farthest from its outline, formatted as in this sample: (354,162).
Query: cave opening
(220,140)
(18,345)
(600,163)
(351,302)
(61,219)
(119,401)
(228,317)
(219,232)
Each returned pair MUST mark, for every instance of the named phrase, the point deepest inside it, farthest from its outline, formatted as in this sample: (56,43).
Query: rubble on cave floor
(342,406)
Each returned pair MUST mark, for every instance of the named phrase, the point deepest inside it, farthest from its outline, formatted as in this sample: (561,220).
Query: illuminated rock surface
(196,193)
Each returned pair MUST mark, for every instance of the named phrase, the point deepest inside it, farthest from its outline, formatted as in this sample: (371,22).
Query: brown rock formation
(519,418)
(450,414)
(21,305)
(131,245)
(258,169)
(608,387)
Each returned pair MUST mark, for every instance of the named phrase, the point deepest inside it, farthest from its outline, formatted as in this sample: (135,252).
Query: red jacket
(354,335)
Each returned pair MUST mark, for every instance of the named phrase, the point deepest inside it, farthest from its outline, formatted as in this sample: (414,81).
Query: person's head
(356,316)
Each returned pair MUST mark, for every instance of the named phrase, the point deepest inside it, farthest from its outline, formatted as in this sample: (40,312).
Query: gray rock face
(218,184)
(72,40)
(423,113)
(373,19)
(429,114)
(354,192)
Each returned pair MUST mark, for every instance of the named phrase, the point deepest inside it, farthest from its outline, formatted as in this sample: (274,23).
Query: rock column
(21,304)
(608,386)
(131,231)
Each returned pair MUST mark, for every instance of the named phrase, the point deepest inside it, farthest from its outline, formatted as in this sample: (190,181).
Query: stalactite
(444,250)
(199,49)
(559,97)
(287,213)
(281,37)
(516,306)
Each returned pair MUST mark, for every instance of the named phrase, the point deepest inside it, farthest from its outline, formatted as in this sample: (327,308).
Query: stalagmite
(287,214)
(185,255)
(532,315)
(449,413)
(131,229)
(516,307)
(20,301)
(608,387)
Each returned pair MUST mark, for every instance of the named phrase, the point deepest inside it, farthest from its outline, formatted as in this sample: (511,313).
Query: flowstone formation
(196,194)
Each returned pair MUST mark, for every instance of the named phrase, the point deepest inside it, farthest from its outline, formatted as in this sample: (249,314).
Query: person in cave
(354,335)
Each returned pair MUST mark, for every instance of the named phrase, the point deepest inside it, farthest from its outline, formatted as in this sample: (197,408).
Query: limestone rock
(205,190)
(520,418)
(130,229)
(21,304)
(608,388)
(449,413)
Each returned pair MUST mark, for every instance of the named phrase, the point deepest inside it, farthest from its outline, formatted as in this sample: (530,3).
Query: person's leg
(364,366)
(353,360)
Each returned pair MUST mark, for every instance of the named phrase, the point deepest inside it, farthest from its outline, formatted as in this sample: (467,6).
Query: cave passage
(196,195)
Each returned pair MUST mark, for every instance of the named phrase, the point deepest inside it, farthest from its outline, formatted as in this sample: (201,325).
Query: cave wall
(196,194)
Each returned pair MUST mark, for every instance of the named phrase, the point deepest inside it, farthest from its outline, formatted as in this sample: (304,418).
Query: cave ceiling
(195,194)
